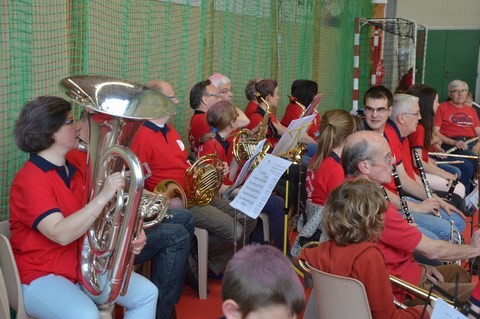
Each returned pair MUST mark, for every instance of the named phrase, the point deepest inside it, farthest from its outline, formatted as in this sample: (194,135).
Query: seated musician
(353,219)
(159,145)
(168,243)
(303,92)
(378,102)
(456,122)
(367,155)
(202,96)
(48,219)
(403,121)
(222,116)
(267,93)
(251,97)
(422,141)
(324,173)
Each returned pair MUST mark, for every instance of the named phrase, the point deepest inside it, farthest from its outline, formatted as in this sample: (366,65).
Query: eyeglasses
(459,91)
(173,97)
(386,159)
(210,94)
(380,110)
(69,122)
(414,114)
(225,91)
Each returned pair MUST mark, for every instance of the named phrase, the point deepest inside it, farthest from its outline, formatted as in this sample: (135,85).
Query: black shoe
(191,279)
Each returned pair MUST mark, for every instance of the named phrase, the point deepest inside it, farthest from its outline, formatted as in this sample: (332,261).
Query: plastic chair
(202,248)
(266,227)
(11,278)
(339,297)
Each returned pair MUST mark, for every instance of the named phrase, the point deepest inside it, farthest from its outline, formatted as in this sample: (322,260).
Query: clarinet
(423,177)
(449,195)
(403,202)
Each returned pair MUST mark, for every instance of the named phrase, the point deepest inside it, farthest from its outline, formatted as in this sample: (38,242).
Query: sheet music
(443,310)
(245,170)
(259,186)
(472,199)
(292,136)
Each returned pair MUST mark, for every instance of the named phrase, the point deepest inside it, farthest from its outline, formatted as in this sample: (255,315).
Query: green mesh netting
(180,41)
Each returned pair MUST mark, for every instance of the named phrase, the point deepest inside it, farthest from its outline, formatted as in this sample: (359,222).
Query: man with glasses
(456,122)
(367,155)
(202,96)
(379,102)
(405,113)
(159,145)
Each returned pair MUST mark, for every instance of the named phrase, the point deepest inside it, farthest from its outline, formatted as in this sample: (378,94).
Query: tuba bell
(116,109)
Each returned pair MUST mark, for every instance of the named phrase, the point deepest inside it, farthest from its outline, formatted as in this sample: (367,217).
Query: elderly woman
(48,219)
(353,220)
(456,122)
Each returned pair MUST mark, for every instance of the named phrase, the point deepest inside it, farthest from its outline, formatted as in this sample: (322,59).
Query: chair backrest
(10,272)
(339,297)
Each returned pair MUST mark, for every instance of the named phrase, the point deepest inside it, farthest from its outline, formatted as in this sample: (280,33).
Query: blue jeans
(55,297)
(168,245)
(438,226)
(468,167)
(274,208)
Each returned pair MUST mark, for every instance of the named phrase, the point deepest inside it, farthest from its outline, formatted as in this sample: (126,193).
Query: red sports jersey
(320,183)
(198,127)
(456,122)
(294,112)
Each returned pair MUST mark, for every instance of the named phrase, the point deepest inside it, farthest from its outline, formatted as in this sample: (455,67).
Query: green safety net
(183,42)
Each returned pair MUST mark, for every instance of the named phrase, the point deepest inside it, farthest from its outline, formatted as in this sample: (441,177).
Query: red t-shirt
(397,242)
(294,112)
(198,127)
(257,117)
(164,152)
(251,108)
(39,189)
(456,122)
(220,147)
(400,148)
(320,183)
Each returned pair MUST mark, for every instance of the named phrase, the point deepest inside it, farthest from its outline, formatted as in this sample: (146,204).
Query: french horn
(116,109)
(204,179)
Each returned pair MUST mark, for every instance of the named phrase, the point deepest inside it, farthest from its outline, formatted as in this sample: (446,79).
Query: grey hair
(401,104)
(456,83)
(219,79)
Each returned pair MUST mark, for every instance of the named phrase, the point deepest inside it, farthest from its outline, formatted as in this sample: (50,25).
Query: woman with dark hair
(353,219)
(423,141)
(48,219)
(222,117)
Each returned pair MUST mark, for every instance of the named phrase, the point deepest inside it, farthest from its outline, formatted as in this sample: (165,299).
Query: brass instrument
(116,109)
(401,196)
(418,292)
(453,149)
(204,179)
(423,177)
(245,141)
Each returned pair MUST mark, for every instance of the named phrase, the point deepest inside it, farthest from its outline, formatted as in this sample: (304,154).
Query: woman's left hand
(139,243)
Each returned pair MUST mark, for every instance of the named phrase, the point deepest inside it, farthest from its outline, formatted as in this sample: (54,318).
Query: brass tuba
(116,109)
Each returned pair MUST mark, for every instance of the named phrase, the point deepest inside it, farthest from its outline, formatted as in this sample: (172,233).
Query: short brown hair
(353,212)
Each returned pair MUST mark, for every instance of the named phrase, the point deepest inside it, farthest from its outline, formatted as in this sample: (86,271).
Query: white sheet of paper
(443,310)
(292,136)
(472,199)
(245,170)
(259,186)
